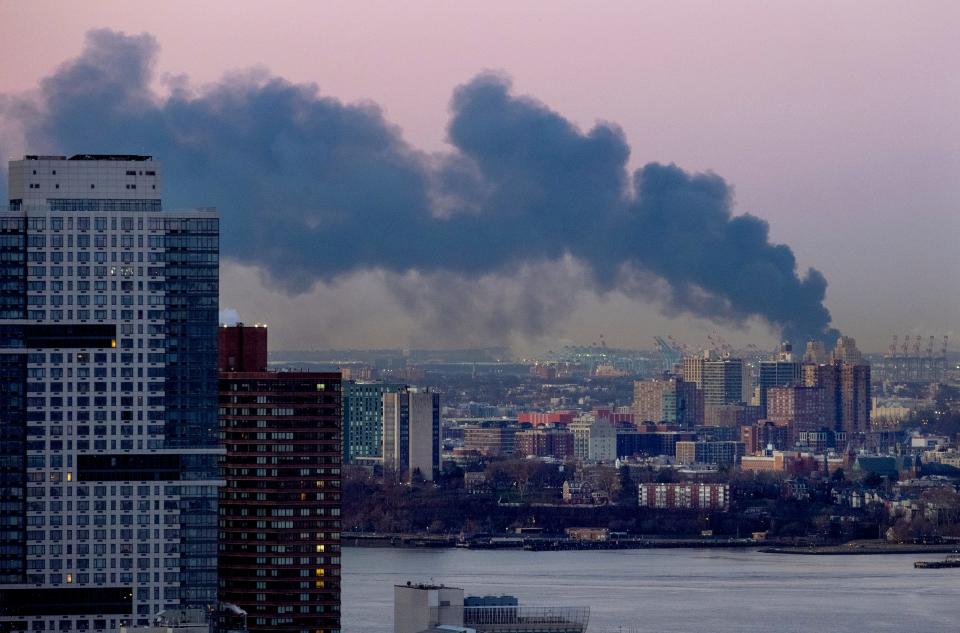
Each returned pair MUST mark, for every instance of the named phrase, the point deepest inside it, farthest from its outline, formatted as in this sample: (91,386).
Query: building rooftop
(116,157)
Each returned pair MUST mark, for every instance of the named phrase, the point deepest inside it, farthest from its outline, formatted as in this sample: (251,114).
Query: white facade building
(108,392)
(411,433)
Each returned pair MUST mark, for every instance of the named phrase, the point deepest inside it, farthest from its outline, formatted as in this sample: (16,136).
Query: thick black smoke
(311,188)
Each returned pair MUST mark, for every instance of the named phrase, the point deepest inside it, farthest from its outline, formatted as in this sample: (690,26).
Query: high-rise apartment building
(777,373)
(723,381)
(279,554)
(846,351)
(108,352)
(847,393)
(691,369)
(667,399)
(411,433)
(855,399)
(800,409)
(363,419)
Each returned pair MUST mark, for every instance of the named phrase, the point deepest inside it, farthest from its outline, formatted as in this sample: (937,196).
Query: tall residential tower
(108,392)
(280,507)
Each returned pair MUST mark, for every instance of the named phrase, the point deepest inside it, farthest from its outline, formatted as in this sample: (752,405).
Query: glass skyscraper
(108,397)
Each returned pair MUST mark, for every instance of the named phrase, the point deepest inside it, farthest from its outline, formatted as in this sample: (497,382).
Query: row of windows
(98,271)
(83,257)
(83,240)
(82,315)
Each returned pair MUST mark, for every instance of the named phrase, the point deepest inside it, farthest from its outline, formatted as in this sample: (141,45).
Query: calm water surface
(683,590)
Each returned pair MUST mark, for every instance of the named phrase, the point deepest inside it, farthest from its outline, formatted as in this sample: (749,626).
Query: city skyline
(538,316)
(808,156)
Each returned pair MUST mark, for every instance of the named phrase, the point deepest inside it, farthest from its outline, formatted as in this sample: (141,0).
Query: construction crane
(893,346)
(670,354)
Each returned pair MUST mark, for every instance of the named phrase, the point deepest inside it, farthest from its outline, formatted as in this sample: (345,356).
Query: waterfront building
(363,419)
(108,390)
(684,496)
(411,433)
(430,608)
(279,552)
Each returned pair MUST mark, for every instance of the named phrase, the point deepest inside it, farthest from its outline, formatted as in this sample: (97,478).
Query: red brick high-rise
(243,348)
(279,527)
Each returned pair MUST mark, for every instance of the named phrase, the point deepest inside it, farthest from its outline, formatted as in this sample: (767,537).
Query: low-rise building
(588,533)
(685,496)
(594,440)
(491,438)
(545,442)
(423,608)
(718,453)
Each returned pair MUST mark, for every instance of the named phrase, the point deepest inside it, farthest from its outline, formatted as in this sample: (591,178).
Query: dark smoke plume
(311,188)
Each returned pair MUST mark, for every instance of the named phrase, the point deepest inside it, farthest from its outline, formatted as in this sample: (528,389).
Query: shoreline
(861,548)
(543,544)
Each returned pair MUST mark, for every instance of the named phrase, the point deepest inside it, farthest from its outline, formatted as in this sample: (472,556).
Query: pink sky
(836,121)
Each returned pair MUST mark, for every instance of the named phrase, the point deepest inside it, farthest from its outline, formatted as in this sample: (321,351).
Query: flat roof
(115,157)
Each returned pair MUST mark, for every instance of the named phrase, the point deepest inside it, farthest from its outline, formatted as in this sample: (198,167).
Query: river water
(677,590)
